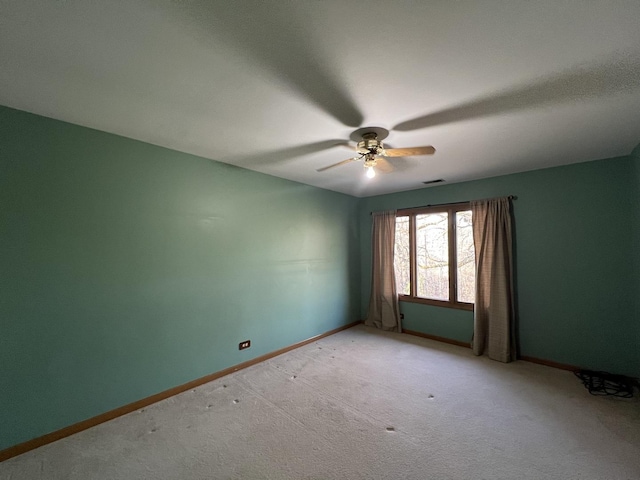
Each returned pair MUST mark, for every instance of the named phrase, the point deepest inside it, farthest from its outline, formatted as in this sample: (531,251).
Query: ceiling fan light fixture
(370,172)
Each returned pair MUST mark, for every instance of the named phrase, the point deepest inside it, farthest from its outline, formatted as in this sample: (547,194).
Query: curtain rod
(510,197)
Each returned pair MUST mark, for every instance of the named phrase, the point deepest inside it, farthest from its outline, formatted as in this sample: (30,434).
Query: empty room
(319,239)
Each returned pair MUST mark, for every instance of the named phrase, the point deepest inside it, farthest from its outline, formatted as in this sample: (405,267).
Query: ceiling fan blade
(384,166)
(409,152)
(344,162)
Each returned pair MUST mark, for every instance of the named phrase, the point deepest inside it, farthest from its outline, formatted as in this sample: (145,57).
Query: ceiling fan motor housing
(370,144)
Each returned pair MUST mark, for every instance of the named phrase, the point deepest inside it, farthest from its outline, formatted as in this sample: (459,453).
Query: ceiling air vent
(431,182)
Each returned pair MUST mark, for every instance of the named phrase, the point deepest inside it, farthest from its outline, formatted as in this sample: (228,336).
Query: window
(434,256)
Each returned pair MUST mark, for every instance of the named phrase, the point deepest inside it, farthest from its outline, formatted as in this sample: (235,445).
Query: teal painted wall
(127,269)
(574,257)
(635,158)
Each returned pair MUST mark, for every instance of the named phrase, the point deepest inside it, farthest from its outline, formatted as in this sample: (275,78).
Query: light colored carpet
(362,404)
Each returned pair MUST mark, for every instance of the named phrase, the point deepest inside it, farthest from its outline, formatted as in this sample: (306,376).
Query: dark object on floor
(603,383)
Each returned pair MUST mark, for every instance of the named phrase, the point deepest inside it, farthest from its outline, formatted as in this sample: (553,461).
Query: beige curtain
(384,312)
(494,316)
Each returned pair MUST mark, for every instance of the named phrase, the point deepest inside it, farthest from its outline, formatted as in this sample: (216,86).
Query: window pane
(401,257)
(466,258)
(432,248)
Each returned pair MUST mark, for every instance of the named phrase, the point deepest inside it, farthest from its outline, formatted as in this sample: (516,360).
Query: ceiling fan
(372,151)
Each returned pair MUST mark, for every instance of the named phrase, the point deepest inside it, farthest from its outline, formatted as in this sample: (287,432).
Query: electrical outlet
(245,344)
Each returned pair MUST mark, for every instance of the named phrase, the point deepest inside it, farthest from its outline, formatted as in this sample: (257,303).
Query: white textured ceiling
(275,86)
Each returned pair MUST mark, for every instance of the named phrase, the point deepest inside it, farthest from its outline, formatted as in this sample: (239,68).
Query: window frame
(451,209)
